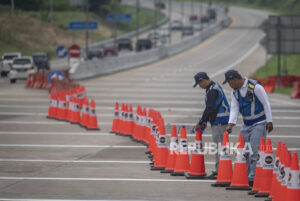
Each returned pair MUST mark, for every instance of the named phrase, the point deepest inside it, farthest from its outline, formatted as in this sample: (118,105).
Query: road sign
(55,74)
(74,51)
(118,17)
(62,51)
(81,25)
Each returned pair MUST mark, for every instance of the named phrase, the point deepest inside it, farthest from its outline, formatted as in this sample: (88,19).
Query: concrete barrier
(93,68)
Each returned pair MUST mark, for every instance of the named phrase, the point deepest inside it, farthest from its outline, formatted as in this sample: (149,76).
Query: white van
(6,62)
(20,68)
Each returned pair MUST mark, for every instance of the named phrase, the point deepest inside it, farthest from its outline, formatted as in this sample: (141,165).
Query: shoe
(213,175)
(251,183)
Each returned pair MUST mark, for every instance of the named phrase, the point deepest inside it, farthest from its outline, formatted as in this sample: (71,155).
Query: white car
(20,68)
(165,32)
(7,60)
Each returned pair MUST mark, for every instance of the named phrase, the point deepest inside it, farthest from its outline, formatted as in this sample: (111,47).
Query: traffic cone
(70,108)
(53,106)
(62,108)
(287,168)
(275,173)
(30,80)
(258,169)
(225,165)
(116,120)
(239,180)
(266,177)
(84,113)
(131,121)
(182,160)
(281,174)
(172,154)
(293,186)
(81,95)
(162,150)
(197,168)
(92,119)
(76,111)
(126,120)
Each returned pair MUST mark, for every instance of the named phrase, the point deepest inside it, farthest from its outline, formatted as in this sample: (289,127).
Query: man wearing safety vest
(250,99)
(216,111)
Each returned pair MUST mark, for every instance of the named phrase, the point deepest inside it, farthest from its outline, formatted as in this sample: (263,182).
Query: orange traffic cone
(84,113)
(116,120)
(62,108)
(225,165)
(92,119)
(30,80)
(239,180)
(162,150)
(275,173)
(287,167)
(131,121)
(293,187)
(76,111)
(53,106)
(281,174)
(258,169)
(266,177)
(197,168)
(70,108)
(182,161)
(172,154)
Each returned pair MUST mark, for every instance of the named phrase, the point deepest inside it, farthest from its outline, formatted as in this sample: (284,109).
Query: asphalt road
(44,159)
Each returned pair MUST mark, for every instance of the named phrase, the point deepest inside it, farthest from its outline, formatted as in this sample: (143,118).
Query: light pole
(170,19)
(12,7)
(86,28)
(137,19)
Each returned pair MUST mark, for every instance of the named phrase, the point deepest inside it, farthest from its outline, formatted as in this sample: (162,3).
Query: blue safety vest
(224,110)
(250,106)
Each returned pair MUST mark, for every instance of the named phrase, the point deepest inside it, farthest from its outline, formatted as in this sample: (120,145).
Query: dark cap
(231,74)
(199,77)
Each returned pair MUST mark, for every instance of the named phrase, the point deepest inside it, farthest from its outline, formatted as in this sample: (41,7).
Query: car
(176,25)
(143,44)
(164,32)
(204,19)
(197,26)
(160,5)
(124,44)
(7,60)
(95,53)
(187,31)
(109,50)
(193,18)
(155,38)
(41,61)
(211,13)
(20,68)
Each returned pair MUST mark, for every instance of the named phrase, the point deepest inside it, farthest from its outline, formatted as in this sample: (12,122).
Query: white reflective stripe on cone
(294,179)
(240,157)
(225,154)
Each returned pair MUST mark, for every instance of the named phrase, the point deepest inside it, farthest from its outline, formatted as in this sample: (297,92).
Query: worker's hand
(229,128)
(269,126)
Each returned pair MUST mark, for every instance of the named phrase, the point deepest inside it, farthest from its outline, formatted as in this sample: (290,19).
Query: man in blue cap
(250,99)
(216,111)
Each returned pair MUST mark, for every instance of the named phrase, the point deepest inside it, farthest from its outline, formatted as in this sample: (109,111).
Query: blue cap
(231,74)
(199,77)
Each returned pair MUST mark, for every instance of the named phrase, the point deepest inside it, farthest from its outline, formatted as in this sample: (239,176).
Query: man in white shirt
(250,99)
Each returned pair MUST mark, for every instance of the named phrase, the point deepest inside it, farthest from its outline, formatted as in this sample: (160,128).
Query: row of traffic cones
(73,106)
(279,180)
(38,81)
(148,129)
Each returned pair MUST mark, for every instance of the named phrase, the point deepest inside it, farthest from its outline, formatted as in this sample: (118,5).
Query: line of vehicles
(15,66)
(156,38)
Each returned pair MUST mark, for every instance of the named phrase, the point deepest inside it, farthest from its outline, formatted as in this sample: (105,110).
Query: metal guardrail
(93,68)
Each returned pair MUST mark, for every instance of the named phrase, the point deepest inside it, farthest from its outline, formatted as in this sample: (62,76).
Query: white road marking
(112,134)
(10,199)
(106,179)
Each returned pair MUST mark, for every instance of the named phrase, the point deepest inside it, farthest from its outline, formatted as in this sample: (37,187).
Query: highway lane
(47,159)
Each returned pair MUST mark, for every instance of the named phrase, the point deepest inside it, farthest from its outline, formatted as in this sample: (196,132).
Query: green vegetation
(29,29)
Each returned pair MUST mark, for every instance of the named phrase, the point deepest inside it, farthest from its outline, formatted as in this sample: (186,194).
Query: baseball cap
(230,75)
(199,77)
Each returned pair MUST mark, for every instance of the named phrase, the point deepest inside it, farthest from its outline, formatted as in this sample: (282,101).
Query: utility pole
(192,7)
(51,12)
(137,19)
(12,7)
(155,22)
(86,28)
(170,19)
